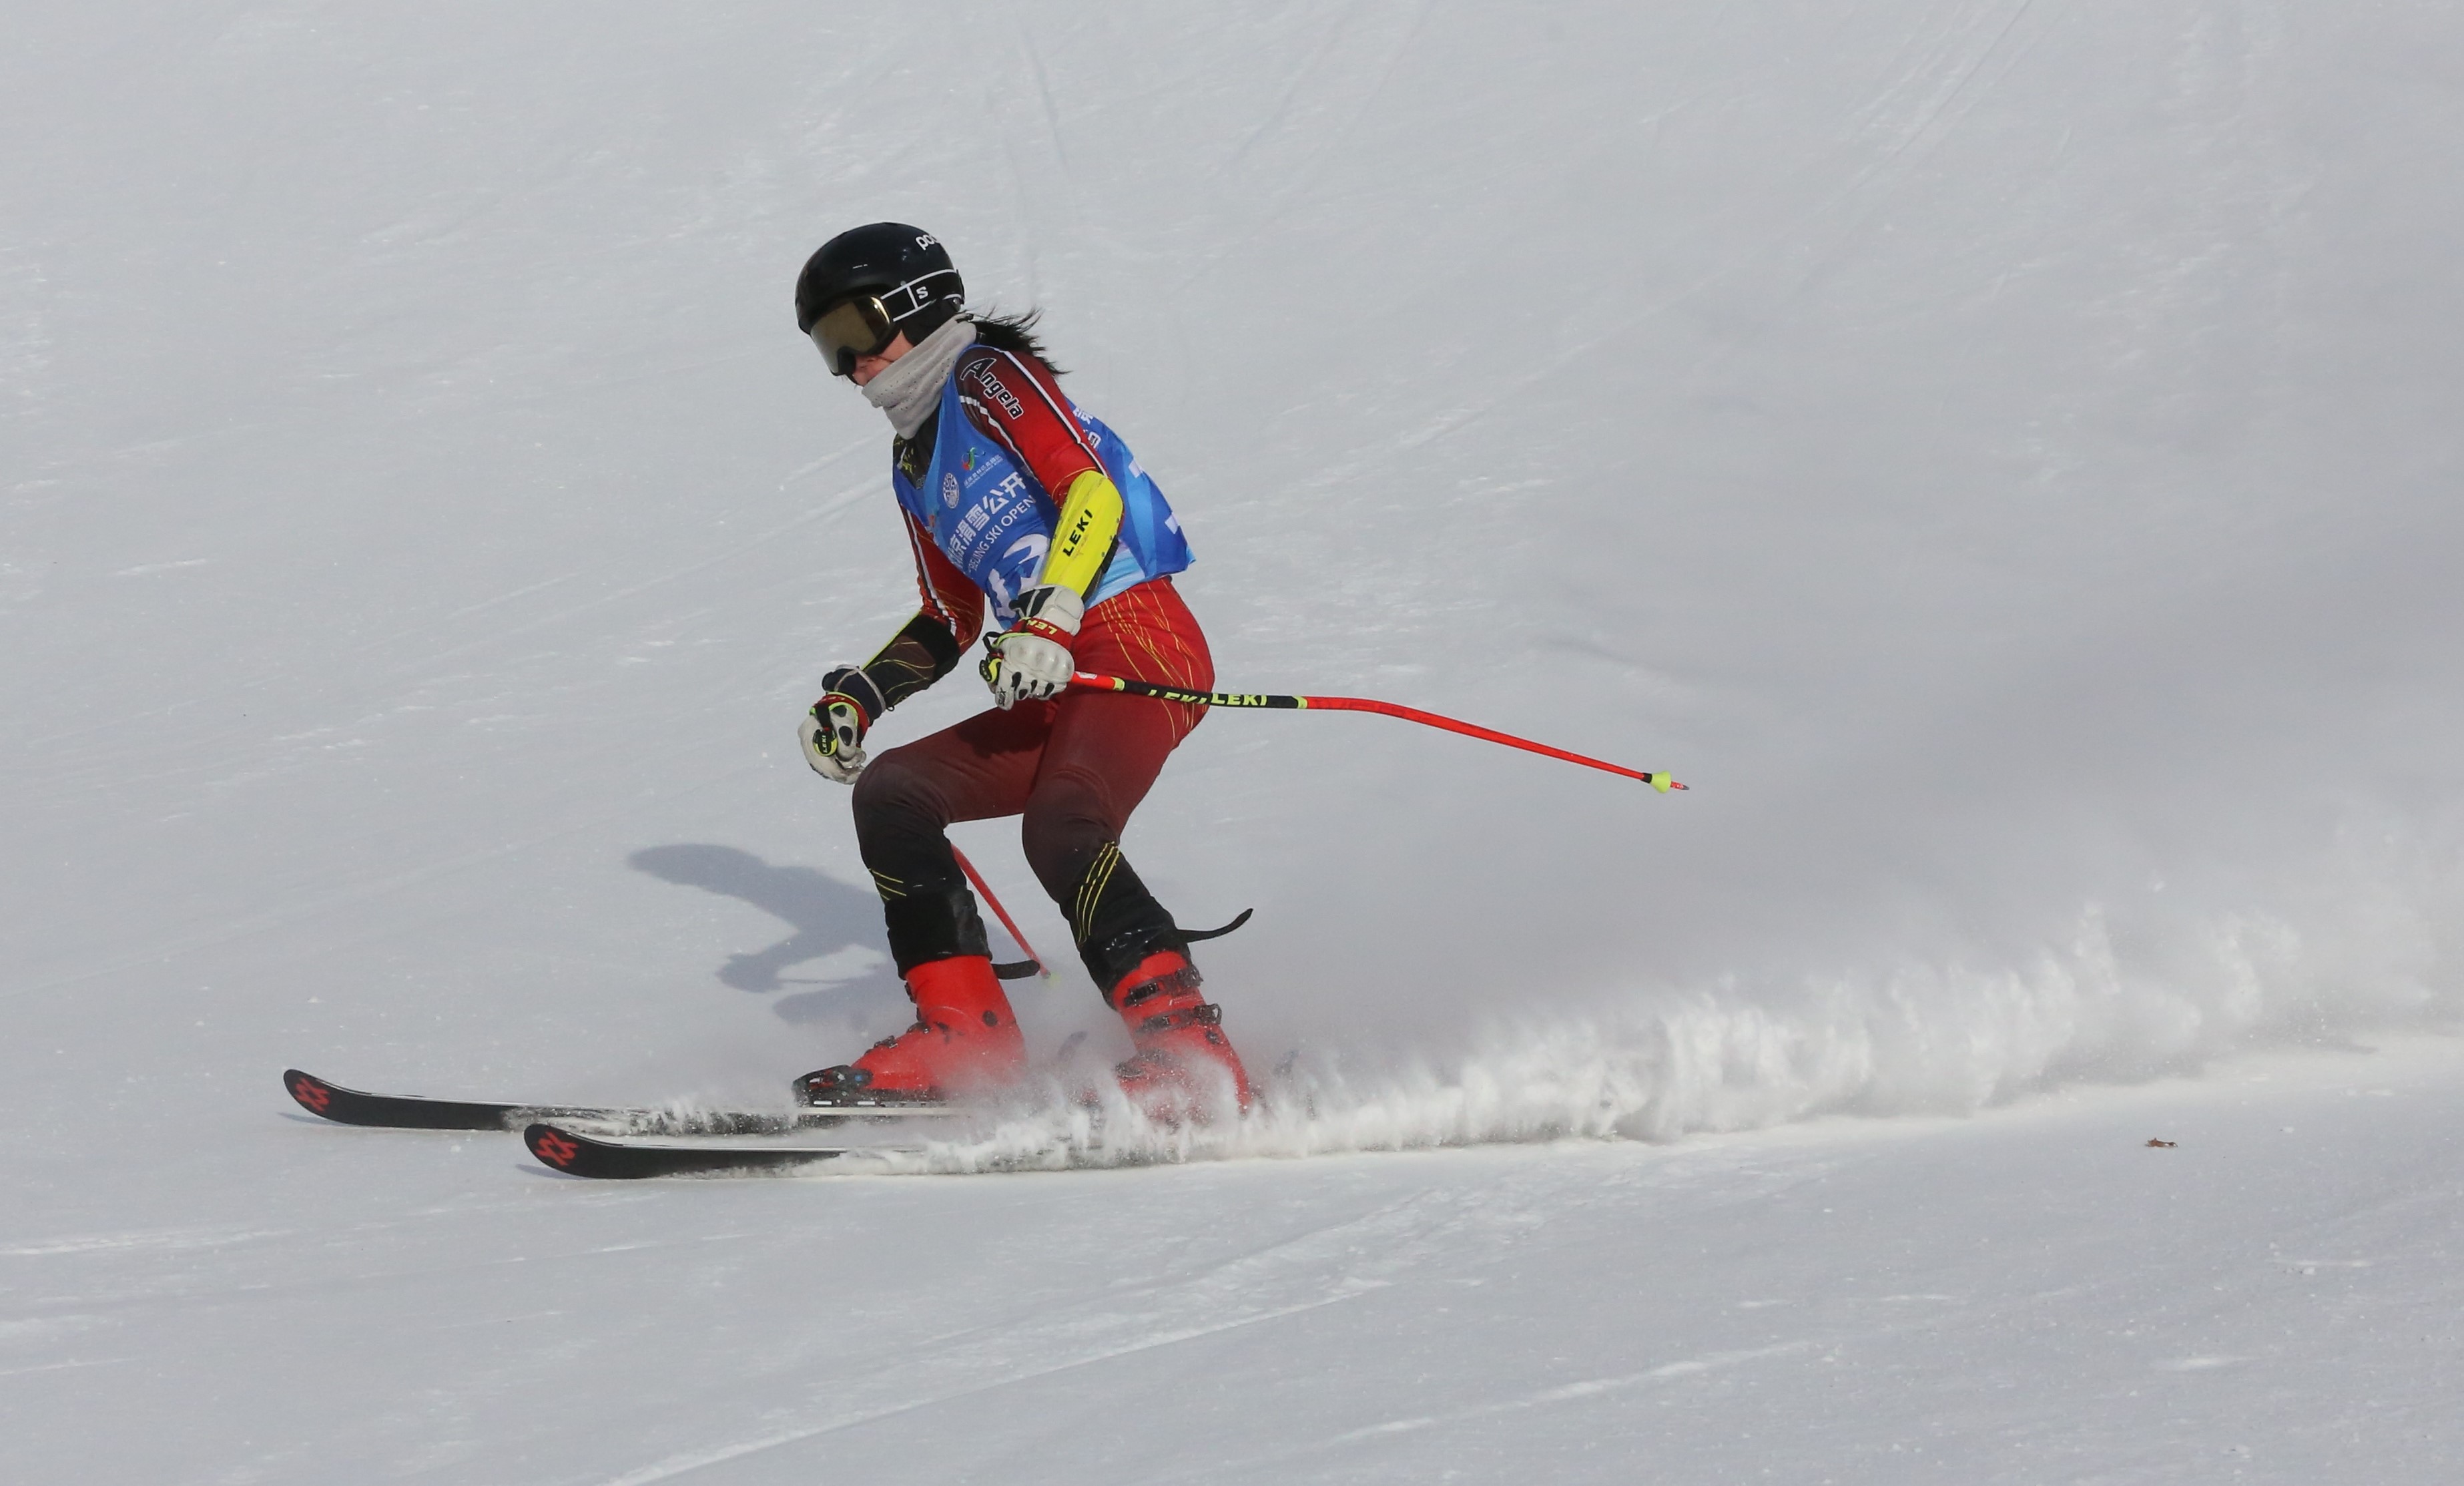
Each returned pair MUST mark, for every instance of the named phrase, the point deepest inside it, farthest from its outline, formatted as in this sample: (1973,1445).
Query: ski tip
(553,1146)
(314,1093)
(1020,969)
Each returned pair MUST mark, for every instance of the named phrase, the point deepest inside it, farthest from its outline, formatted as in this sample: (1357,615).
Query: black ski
(578,1154)
(407,1112)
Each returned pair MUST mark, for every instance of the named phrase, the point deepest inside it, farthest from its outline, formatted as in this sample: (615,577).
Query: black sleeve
(918,655)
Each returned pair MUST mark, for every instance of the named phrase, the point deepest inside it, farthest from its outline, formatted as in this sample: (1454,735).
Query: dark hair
(1014,333)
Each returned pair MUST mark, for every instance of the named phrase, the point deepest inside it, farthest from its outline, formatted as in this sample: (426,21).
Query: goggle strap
(842,355)
(918,300)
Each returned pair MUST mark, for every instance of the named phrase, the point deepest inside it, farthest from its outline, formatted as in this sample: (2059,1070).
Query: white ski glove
(1030,660)
(832,733)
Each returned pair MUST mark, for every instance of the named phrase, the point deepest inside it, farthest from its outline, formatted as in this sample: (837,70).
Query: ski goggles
(863,324)
(853,328)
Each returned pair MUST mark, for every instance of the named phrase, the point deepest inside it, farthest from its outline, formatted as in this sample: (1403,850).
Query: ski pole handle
(1088,680)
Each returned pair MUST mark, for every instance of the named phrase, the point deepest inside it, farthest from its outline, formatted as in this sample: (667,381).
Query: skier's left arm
(1013,399)
(927,647)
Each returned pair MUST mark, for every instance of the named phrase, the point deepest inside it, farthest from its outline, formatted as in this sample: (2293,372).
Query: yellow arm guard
(1091,518)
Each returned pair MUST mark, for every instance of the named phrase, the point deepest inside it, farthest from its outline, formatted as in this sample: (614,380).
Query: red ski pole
(1093,682)
(1035,965)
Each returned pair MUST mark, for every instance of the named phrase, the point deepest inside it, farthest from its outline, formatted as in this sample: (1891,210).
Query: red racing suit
(1073,767)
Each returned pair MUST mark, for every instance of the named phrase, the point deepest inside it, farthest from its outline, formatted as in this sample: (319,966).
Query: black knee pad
(924,897)
(1115,919)
(930,921)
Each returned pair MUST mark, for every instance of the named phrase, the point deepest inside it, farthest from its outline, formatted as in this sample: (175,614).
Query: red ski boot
(964,1040)
(1184,1067)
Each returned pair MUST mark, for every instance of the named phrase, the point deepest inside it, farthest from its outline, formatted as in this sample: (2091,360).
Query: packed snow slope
(2001,455)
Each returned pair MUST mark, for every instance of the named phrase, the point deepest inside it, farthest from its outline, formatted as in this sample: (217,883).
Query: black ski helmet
(904,267)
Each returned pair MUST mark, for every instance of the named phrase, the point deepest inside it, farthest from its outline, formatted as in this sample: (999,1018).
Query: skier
(1015,500)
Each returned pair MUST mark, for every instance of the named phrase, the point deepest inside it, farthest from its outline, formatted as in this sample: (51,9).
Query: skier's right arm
(925,649)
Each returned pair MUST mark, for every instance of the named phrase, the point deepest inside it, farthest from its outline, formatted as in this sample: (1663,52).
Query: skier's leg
(965,1035)
(906,799)
(1100,759)
(1103,754)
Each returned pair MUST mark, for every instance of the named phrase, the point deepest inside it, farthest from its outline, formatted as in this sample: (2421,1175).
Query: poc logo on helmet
(926,240)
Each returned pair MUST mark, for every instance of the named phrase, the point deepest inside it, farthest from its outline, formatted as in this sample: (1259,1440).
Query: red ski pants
(1073,767)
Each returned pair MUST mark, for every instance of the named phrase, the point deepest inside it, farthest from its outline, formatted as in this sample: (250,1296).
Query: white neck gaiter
(910,387)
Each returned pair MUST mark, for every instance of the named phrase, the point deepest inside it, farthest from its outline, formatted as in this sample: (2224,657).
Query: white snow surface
(2002,455)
